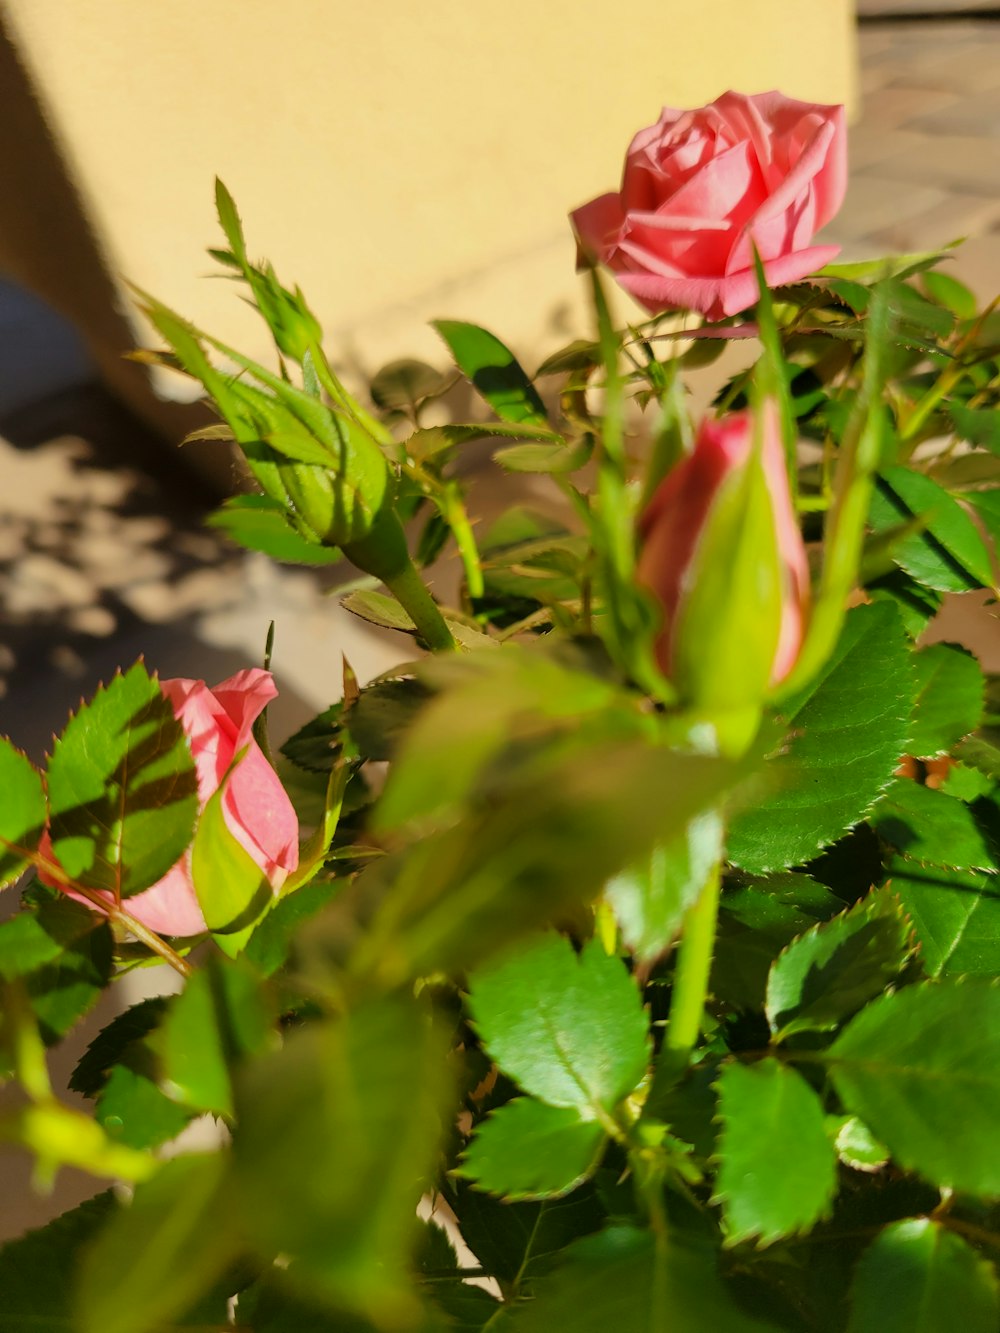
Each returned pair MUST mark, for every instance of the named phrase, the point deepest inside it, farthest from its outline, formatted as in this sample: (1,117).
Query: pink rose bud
(722,553)
(218,723)
(700,188)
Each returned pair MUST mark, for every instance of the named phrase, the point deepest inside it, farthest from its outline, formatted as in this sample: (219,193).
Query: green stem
(931,400)
(409,589)
(694,964)
(461,529)
(116,912)
(687,1003)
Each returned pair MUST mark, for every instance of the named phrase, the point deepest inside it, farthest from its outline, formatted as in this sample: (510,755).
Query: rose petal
(170,907)
(728,295)
(598,225)
(244,697)
(260,816)
(209,729)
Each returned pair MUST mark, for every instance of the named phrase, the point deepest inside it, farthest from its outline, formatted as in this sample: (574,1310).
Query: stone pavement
(925,155)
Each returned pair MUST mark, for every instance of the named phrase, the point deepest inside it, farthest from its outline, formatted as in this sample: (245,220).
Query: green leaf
(403,384)
(949,554)
(577,355)
(932,828)
(37,1271)
(58,1136)
(874,270)
(545,458)
(986,505)
(517,1242)
(834,969)
(131,1108)
(856,1146)
(110,1045)
(950,697)
(318,745)
(777,1173)
(569,1029)
(949,292)
(483,699)
(850,730)
(23,812)
(917,605)
(338,1136)
(919,1277)
(431,441)
(64,951)
(618,1280)
(383,714)
(966,782)
(271,942)
(43,931)
(467,1309)
(159,1255)
(259,523)
(649,900)
(530,1150)
(982,754)
(275,1303)
(914,312)
(977,425)
(379,609)
(122,791)
(219,1017)
(229,221)
(537,844)
(756,921)
(200,1033)
(494,370)
(233,891)
(916,1065)
(955,916)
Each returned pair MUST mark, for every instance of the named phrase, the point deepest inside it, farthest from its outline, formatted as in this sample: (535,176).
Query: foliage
(668,1017)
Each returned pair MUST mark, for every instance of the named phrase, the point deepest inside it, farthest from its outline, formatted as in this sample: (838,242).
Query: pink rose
(218,722)
(722,553)
(699,186)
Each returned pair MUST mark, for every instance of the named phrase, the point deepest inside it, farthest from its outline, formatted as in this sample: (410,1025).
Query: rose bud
(722,553)
(218,723)
(701,188)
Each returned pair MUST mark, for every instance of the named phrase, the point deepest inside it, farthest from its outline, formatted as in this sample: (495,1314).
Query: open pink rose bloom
(218,723)
(700,188)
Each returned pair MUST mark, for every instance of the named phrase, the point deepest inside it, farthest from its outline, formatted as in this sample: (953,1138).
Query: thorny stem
(115,912)
(461,529)
(411,592)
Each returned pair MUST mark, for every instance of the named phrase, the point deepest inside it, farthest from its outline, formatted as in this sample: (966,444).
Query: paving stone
(958,214)
(959,116)
(946,161)
(873,203)
(974,69)
(891,107)
(977,263)
(869,144)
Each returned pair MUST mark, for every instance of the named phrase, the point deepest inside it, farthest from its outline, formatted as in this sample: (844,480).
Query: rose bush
(700,186)
(723,556)
(218,723)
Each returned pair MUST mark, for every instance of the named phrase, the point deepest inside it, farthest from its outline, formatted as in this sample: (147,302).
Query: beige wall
(399,160)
